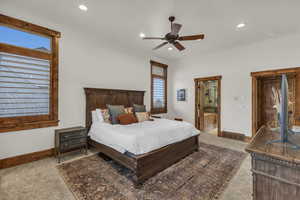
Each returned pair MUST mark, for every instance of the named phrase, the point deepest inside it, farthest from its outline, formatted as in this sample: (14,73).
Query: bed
(144,165)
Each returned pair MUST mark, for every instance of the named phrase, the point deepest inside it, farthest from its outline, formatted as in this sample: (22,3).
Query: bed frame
(146,165)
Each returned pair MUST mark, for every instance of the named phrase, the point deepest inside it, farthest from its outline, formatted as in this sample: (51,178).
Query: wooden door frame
(210,78)
(255,89)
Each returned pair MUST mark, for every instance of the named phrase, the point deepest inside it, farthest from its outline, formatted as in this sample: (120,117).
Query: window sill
(28,126)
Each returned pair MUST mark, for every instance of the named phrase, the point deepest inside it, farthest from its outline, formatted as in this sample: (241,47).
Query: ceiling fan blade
(191,37)
(178,46)
(175,28)
(161,45)
(153,38)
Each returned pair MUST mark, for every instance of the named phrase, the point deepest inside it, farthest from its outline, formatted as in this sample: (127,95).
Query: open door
(208,104)
(199,106)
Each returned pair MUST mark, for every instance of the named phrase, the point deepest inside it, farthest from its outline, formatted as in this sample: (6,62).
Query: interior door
(200,105)
(268,114)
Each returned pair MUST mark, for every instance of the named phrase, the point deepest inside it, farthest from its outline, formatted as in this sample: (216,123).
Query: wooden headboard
(99,98)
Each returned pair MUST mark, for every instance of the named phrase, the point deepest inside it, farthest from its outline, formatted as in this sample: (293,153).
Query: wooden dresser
(275,167)
(69,139)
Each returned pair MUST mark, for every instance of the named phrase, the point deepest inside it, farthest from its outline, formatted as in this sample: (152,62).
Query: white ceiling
(121,21)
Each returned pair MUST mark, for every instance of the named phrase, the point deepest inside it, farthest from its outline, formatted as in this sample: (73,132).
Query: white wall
(235,66)
(84,62)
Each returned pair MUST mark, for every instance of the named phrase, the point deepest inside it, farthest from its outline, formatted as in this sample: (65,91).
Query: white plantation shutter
(24,86)
(159,85)
(158,93)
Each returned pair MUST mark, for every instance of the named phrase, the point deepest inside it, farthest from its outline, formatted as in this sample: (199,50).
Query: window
(158,87)
(20,38)
(28,75)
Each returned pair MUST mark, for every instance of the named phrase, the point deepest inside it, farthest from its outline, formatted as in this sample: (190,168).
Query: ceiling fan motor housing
(171,38)
(171,19)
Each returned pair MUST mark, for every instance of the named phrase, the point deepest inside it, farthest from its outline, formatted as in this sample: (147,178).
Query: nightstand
(70,139)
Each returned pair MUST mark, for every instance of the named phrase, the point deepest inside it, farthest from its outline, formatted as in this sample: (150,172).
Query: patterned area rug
(202,175)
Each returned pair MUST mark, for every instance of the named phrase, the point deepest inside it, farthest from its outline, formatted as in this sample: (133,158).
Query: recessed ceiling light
(241,25)
(83,7)
(142,35)
(170,48)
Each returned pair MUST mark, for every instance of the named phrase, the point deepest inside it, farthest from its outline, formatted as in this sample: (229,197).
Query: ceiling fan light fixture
(170,48)
(142,35)
(83,7)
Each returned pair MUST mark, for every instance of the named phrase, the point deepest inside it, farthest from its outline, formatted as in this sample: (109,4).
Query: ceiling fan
(173,36)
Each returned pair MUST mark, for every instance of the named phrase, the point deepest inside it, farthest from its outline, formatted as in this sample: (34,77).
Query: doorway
(208,104)
(264,85)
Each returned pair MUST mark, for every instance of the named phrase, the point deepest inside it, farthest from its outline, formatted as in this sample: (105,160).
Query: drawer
(70,144)
(72,135)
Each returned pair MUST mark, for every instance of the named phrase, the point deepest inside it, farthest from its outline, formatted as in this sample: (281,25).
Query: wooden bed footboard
(156,161)
(149,164)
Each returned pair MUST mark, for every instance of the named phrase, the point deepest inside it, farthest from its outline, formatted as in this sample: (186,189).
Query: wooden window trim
(20,24)
(24,51)
(165,78)
(8,124)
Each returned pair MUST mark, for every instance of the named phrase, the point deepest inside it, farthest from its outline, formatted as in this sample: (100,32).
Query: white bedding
(143,137)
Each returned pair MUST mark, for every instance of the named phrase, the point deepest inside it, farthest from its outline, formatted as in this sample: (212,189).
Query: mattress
(143,137)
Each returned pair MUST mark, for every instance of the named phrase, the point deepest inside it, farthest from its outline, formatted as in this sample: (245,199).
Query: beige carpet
(203,175)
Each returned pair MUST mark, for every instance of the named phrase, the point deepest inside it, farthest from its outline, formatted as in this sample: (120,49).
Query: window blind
(24,86)
(158,92)
(158,87)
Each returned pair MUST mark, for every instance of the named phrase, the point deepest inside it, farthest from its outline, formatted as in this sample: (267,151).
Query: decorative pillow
(105,115)
(114,112)
(142,116)
(129,110)
(139,108)
(126,119)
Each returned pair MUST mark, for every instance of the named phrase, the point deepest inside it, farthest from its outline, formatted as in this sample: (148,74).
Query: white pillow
(94,116)
(99,115)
